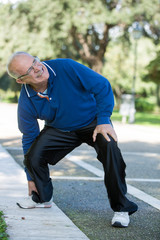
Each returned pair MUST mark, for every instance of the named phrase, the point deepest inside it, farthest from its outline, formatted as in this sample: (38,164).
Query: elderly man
(76,104)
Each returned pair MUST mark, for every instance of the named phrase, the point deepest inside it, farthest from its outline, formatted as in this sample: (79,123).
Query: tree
(80,29)
(119,67)
(153,74)
(91,34)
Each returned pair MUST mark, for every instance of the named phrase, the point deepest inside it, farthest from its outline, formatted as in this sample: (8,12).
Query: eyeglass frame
(36,59)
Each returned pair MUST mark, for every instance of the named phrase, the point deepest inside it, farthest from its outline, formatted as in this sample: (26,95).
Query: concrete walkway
(30,224)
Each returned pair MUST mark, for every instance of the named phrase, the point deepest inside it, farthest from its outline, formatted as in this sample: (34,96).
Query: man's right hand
(31,187)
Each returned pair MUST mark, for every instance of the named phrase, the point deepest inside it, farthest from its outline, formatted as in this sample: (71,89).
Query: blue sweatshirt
(75,96)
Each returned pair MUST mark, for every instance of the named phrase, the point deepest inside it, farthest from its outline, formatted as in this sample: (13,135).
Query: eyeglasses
(35,61)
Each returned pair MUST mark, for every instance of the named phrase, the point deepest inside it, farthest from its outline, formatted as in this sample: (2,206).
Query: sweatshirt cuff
(28,175)
(103,120)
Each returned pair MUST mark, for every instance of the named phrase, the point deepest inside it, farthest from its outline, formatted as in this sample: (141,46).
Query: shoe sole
(118,224)
(40,206)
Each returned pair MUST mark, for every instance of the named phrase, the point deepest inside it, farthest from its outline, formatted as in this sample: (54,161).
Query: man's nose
(37,68)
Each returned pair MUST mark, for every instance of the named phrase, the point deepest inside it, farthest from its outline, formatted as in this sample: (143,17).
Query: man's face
(30,70)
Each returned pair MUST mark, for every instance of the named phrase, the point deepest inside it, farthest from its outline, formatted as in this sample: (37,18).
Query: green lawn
(140,118)
(3,227)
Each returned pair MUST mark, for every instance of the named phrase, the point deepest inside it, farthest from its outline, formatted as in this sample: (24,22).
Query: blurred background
(120,39)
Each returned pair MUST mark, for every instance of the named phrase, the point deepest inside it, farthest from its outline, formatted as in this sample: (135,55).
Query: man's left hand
(105,130)
(31,187)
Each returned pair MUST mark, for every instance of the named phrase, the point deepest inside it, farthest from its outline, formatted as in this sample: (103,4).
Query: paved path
(32,224)
(81,175)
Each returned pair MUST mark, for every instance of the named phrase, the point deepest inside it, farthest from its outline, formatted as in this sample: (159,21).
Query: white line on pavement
(147,154)
(131,190)
(85,165)
(77,178)
(154,202)
(13,148)
(98,172)
(143,180)
(101,178)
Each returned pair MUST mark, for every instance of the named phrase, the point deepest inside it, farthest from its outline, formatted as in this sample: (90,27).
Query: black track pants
(52,145)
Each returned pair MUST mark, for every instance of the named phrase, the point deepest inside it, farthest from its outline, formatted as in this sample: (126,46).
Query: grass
(3,227)
(148,119)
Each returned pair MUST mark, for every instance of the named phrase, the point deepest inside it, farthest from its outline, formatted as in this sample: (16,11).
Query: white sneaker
(120,219)
(28,203)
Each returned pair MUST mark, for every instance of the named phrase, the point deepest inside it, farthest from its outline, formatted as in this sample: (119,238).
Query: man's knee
(33,160)
(103,143)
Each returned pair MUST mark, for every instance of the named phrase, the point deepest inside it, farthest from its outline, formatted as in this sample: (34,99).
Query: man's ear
(18,80)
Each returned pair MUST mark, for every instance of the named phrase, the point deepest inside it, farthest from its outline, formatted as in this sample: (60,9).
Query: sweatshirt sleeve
(100,87)
(28,126)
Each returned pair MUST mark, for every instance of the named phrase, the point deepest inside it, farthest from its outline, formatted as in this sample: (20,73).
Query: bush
(3,227)
(144,105)
(9,96)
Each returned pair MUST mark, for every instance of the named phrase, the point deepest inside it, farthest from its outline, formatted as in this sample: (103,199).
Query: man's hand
(105,130)
(31,187)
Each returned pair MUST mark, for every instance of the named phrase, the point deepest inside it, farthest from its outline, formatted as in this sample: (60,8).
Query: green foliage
(119,67)
(153,70)
(9,96)
(153,74)
(144,105)
(4,82)
(78,29)
(3,227)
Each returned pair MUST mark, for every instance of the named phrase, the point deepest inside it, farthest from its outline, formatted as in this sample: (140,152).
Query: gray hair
(11,71)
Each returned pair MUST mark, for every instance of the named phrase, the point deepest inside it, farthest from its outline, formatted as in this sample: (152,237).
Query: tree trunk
(84,45)
(97,65)
(158,95)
